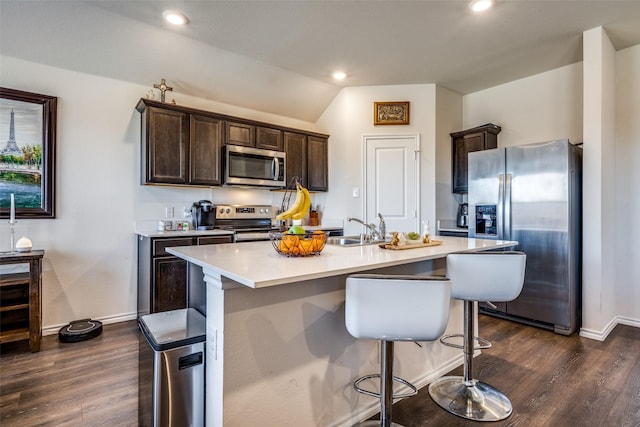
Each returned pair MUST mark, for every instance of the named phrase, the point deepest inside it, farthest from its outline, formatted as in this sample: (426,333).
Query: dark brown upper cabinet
(241,134)
(317,163)
(181,146)
(307,158)
(464,142)
(205,148)
(295,146)
(250,135)
(269,138)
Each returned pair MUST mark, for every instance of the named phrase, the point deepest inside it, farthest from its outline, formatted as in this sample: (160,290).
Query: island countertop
(257,265)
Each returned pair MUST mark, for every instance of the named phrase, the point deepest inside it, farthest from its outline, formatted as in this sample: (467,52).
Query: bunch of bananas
(300,206)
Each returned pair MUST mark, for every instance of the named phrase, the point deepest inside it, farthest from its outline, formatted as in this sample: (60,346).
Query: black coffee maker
(203,213)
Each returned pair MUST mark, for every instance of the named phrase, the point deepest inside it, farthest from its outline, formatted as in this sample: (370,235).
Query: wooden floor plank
(552,380)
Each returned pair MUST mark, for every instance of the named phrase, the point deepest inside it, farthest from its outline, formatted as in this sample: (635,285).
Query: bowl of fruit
(296,242)
(413,238)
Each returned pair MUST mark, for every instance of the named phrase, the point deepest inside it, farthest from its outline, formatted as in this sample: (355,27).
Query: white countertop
(450,225)
(257,265)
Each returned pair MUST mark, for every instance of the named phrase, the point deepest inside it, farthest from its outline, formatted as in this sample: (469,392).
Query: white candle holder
(12,232)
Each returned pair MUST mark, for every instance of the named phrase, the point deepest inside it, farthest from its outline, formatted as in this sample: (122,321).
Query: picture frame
(391,113)
(27,153)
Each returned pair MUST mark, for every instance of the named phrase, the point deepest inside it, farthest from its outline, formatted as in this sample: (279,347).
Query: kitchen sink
(351,241)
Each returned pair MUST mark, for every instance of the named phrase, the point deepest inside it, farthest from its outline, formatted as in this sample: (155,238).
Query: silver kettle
(462,219)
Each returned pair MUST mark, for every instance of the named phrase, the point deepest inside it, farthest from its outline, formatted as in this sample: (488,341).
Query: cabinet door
(205,148)
(241,134)
(317,163)
(167,137)
(169,284)
(461,147)
(295,145)
(269,139)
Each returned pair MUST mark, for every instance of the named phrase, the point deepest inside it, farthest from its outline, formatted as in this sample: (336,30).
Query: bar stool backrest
(396,307)
(486,276)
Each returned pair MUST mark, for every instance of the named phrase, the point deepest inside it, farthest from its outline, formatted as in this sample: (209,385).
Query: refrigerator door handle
(507,208)
(499,208)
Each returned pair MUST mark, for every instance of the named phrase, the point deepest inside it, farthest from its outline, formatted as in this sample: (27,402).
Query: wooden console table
(20,300)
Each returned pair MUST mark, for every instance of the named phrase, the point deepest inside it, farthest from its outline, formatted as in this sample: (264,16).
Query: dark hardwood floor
(551,380)
(90,383)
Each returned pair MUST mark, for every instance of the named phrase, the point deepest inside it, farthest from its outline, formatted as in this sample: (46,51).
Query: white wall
(90,267)
(627,226)
(448,120)
(598,254)
(539,108)
(349,118)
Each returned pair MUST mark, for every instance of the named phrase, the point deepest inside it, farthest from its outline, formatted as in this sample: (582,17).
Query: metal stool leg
(464,396)
(386,388)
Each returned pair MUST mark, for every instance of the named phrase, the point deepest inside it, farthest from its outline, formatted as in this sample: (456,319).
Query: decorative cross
(163,88)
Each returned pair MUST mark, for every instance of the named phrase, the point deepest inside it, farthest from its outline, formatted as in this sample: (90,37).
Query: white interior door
(392,181)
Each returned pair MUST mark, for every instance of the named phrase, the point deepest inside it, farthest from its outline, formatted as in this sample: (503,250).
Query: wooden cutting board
(421,245)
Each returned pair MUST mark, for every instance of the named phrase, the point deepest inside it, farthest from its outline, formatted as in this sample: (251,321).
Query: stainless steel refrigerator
(532,194)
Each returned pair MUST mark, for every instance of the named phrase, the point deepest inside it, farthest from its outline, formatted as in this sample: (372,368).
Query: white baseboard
(604,333)
(52,330)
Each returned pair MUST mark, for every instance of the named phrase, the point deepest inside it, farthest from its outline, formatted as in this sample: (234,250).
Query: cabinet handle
(275,168)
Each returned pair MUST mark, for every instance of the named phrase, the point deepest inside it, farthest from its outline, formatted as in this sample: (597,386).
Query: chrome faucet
(372,234)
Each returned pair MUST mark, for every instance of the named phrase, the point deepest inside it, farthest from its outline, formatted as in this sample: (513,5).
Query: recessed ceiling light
(339,75)
(174,17)
(481,5)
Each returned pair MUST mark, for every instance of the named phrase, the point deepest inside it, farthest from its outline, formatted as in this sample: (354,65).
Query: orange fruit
(306,246)
(295,251)
(282,247)
(290,241)
(318,238)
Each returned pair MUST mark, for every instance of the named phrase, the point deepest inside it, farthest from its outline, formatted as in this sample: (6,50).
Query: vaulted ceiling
(278,56)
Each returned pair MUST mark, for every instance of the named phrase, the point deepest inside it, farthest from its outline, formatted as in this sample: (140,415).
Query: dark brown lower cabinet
(169,290)
(162,277)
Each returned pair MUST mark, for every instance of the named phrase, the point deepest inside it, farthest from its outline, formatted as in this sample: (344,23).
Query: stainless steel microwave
(254,167)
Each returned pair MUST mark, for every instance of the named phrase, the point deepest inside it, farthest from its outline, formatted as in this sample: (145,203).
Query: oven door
(248,166)
(251,236)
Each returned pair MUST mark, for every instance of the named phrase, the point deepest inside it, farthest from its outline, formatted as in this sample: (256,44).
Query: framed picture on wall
(391,113)
(27,153)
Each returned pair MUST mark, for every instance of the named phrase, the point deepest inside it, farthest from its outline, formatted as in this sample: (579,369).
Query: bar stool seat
(482,276)
(392,308)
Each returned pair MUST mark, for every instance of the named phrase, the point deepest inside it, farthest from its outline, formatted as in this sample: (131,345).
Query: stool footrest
(482,343)
(356,386)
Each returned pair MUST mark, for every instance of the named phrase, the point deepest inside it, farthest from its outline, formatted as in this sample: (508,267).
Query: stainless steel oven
(246,166)
(250,223)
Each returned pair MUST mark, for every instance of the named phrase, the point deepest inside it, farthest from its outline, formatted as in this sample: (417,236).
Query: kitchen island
(277,350)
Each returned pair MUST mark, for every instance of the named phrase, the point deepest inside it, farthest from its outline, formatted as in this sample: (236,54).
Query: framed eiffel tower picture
(27,153)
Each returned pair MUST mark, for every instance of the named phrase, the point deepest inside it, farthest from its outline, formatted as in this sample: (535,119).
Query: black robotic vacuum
(80,330)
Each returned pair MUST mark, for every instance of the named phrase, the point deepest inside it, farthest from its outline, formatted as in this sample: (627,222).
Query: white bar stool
(481,276)
(394,308)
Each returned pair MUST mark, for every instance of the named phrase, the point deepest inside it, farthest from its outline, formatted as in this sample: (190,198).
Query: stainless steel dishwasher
(171,369)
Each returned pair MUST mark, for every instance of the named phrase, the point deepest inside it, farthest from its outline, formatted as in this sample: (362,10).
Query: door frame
(415,137)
